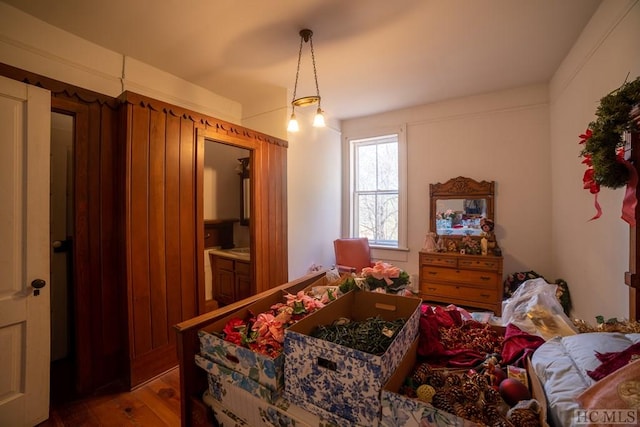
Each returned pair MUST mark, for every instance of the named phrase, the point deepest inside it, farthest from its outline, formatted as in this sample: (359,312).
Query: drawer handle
(206,236)
(431,289)
(485,295)
(485,278)
(433,273)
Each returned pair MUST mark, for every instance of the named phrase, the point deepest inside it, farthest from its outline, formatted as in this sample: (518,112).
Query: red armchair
(352,254)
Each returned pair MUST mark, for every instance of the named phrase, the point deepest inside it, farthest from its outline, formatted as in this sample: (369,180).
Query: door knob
(37,284)
(61,245)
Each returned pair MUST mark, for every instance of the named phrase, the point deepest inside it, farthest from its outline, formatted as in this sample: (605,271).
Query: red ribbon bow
(589,183)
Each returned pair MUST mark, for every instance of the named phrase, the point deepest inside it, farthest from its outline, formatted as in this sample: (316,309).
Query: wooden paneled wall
(164,227)
(98,267)
(137,251)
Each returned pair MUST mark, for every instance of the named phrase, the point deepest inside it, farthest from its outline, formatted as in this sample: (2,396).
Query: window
(377,189)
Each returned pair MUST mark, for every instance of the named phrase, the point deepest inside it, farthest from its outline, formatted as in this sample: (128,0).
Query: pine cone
(491,412)
(456,393)
(436,379)
(481,381)
(523,417)
(474,413)
(453,380)
(471,391)
(442,400)
(458,409)
(421,374)
(491,395)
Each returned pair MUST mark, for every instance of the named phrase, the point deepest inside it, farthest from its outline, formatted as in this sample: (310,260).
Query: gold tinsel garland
(611,325)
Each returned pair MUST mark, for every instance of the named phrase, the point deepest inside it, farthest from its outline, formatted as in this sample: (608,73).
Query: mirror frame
(460,188)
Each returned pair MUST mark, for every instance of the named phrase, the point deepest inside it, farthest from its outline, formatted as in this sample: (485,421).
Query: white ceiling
(371,55)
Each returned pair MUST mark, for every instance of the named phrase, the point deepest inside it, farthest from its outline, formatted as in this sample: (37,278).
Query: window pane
(378,218)
(366,216)
(387,229)
(366,168)
(387,166)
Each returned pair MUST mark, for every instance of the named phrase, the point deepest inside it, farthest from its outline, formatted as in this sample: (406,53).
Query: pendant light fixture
(306,36)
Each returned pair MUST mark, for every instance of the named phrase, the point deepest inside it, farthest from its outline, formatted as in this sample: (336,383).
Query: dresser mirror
(459,205)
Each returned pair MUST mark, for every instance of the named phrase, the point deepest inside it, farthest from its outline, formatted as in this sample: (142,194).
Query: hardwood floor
(155,404)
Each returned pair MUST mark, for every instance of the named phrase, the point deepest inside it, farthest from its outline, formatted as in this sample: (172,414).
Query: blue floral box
(268,371)
(229,376)
(230,402)
(338,379)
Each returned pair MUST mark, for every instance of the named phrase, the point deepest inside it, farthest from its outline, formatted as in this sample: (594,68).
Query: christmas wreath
(604,147)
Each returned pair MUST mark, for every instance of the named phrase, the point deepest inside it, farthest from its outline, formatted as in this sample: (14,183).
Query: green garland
(603,139)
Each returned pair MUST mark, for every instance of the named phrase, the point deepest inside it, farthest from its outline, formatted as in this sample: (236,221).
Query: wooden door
(24,256)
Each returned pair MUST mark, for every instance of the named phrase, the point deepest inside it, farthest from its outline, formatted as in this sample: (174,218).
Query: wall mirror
(458,205)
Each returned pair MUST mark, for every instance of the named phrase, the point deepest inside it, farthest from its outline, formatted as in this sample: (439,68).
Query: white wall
(33,45)
(501,137)
(313,187)
(592,256)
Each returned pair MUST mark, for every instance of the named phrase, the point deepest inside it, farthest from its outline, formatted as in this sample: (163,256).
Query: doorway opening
(63,373)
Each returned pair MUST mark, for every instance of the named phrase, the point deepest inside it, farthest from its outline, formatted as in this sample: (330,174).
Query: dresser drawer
(460,292)
(436,259)
(474,277)
(479,264)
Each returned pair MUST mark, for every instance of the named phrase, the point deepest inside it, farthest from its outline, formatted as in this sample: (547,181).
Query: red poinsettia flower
(234,325)
(233,330)
(587,160)
(585,136)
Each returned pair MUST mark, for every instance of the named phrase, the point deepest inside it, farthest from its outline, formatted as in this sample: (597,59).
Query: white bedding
(562,365)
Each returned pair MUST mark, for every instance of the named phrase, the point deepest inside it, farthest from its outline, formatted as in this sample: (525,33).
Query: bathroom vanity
(230,274)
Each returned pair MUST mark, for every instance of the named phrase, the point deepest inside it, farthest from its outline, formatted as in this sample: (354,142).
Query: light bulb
(293,124)
(318,120)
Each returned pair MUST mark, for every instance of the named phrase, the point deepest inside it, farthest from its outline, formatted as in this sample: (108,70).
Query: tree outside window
(375,195)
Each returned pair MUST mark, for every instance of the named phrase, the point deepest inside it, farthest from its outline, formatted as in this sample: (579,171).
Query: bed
(563,364)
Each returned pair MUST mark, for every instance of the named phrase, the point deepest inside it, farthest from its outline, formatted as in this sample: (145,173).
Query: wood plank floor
(155,404)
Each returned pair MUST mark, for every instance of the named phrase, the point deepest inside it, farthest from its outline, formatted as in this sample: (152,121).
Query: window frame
(348,210)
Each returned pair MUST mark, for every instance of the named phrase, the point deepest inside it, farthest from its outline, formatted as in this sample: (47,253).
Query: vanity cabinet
(465,280)
(231,279)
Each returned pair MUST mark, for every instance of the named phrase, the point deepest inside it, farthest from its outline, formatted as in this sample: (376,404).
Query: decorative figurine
(487,227)
(430,242)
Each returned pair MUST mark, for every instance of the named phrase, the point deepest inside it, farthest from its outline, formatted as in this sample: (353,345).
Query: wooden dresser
(466,280)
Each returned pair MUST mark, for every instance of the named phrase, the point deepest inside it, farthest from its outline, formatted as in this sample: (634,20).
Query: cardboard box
(268,371)
(225,375)
(231,402)
(402,411)
(325,376)
(224,416)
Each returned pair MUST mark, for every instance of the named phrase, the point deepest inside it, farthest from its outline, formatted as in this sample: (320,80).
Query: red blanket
(518,345)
